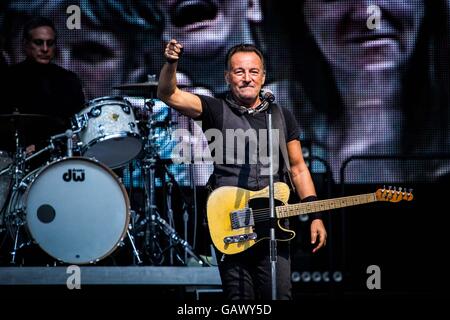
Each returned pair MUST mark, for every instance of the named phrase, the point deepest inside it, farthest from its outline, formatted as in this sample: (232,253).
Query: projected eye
(91,52)
(40,42)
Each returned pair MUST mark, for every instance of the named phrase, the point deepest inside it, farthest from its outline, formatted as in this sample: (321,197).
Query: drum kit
(75,208)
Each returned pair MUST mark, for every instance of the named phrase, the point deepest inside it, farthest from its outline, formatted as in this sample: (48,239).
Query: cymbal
(20,121)
(141,89)
(137,86)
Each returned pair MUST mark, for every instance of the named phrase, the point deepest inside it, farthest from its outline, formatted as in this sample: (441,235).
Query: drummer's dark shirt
(46,89)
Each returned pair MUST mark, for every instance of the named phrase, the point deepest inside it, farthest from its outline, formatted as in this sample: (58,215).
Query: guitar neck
(323,205)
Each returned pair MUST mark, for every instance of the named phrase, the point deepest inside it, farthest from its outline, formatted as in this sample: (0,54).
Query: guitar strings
(261,215)
(264,214)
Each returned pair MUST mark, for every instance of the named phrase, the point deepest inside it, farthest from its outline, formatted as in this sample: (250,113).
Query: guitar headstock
(393,194)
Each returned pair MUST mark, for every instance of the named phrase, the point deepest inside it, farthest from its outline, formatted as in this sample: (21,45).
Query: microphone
(267,99)
(268,95)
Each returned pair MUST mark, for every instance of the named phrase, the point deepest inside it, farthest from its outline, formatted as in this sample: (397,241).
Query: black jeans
(247,275)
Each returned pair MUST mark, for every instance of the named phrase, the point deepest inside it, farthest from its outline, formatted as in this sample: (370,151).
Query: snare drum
(76,209)
(109,131)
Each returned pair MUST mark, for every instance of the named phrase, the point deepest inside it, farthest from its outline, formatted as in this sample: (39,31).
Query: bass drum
(76,210)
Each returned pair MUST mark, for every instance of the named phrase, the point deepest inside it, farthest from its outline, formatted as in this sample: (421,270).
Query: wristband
(314,215)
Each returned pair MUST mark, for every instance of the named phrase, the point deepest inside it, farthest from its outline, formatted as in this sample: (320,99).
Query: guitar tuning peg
(400,189)
(384,188)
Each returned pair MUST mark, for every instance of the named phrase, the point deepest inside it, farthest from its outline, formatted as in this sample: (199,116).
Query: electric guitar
(239,218)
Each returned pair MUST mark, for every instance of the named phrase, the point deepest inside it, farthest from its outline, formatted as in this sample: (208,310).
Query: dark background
(407,240)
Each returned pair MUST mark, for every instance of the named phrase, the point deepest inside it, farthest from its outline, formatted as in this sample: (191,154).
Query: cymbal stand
(151,244)
(174,238)
(13,217)
(172,234)
(135,252)
(153,220)
(169,186)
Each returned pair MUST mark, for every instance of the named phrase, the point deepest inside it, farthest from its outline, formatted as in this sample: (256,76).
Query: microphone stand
(194,189)
(273,242)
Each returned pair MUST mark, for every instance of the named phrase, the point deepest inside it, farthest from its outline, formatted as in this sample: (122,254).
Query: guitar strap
(279,122)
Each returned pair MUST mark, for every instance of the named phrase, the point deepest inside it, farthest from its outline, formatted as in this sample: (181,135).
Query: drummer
(38,86)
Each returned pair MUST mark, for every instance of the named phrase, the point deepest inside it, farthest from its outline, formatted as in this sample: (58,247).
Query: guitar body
(225,200)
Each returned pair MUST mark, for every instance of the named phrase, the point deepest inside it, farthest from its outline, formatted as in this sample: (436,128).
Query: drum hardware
(133,246)
(152,219)
(18,223)
(171,222)
(151,245)
(13,218)
(51,146)
(158,125)
(168,227)
(5,182)
(147,90)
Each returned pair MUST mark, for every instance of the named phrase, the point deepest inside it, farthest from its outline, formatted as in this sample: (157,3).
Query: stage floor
(95,275)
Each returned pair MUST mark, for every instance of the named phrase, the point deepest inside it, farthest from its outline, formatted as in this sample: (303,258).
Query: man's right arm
(184,102)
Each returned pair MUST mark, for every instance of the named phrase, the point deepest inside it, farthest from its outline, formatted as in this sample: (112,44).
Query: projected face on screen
(205,26)
(361,70)
(207,29)
(349,35)
(368,47)
(96,56)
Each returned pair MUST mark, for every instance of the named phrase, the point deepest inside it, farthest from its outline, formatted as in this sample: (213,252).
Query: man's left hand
(319,233)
